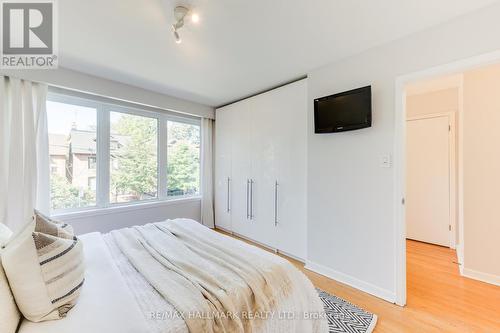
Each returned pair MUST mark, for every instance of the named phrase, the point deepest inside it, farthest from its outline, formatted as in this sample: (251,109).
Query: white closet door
(241,168)
(268,137)
(223,176)
(428,180)
(265,128)
(290,140)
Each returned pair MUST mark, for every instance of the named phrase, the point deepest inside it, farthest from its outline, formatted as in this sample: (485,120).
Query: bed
(124,293)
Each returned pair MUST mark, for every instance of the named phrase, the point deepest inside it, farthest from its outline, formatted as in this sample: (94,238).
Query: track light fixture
(178,39)
(180,14)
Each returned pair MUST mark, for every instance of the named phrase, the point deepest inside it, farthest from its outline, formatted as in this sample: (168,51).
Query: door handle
(276,204)
(248,189)
(251,199)
(228,194)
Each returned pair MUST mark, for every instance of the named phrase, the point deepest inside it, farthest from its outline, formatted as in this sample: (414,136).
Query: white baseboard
(484,277)
(460,258)
(262,244)
(248,239)
(223,229)
(352,281)
(292,256)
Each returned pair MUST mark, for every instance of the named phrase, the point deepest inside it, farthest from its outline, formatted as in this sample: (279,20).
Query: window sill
(122,208)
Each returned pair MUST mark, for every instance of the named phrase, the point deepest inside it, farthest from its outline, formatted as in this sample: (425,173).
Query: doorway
(431,109)
(473,176)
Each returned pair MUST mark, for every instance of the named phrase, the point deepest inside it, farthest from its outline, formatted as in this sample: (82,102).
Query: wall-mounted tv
(346,111)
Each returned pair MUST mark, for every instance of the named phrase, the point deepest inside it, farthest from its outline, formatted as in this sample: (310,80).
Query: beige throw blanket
(217,284)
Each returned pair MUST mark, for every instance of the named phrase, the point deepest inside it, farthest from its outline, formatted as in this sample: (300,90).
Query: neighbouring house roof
(83,142)
(58,145)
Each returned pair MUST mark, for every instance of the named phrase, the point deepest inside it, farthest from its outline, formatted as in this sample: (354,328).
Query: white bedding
(149,300)
(304,299)
(117,299)
(105,304)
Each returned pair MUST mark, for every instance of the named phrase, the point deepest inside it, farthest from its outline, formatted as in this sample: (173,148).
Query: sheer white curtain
(24,157)
(207,190)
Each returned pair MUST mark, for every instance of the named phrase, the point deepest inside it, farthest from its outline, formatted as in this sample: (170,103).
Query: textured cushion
(52,227)
(44,266)
(9,314)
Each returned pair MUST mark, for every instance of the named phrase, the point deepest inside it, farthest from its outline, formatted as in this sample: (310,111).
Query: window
(183,160)
(92,162)
(104,154)
(133,153)
(72,140)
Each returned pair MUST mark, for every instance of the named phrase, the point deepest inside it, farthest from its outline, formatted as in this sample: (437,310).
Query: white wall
(351,230)
(441,101)
(108,220)
(81,82)
(481,174)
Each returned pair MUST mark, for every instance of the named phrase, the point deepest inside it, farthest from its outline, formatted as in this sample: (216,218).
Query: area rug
(344,317)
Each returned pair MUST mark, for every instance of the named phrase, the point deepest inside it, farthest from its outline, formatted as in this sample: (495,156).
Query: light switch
(385,161)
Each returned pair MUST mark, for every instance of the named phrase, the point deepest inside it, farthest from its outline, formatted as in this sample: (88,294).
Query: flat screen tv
(342,112)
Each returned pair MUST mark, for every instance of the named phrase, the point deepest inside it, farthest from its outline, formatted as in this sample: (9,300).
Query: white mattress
(105,305)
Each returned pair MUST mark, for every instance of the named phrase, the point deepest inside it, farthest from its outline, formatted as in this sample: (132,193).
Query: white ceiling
(240,46)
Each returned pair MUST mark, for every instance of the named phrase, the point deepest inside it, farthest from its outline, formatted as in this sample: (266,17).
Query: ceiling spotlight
(180,13)
(195,18)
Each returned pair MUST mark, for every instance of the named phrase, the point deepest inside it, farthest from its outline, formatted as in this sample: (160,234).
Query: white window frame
(104,107)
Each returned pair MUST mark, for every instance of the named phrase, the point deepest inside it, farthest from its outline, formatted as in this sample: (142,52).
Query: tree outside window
(133,152)
(183,160)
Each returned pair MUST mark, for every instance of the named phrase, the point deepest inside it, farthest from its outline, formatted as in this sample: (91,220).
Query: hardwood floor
(439,299)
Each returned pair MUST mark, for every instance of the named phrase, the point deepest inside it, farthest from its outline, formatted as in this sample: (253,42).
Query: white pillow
(9,313)
(5,234)
(44,266)
(106,304)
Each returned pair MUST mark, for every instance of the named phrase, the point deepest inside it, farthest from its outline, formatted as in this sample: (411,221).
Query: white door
(223,175)
(428,180)
(290,141)
(241,168)
(264,130)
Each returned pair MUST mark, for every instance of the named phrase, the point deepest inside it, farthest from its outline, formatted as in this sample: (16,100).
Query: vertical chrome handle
(248,185)
(251,199)
(276,203)
(228,194)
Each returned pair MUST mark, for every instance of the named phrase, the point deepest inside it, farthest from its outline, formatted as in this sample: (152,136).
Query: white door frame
(400,163)
(450,115)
